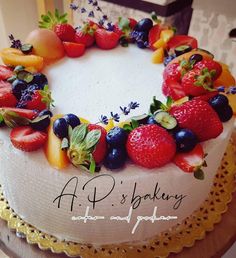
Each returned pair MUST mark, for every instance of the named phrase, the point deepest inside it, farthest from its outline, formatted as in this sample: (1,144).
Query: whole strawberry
(150,146)
(197,82)
(213,67)
(65,32)
(198,116)
(101,148)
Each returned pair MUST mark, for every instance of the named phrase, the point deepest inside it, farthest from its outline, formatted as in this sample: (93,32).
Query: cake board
(199,226)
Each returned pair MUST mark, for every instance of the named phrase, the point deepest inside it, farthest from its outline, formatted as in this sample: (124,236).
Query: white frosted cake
(140,198)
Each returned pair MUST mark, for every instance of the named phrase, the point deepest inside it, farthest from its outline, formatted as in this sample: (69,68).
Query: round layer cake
(105,208)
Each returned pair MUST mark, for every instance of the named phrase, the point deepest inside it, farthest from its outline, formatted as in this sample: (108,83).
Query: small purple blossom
(90,1)
(115,117)
(98,9)
(110,26)
(221,89)
(104,119)
(105,17)
(83,10)
(232,90)
(73,6)
(15,43)
(95,3)
(125,110)
(91,14)
(133,105)
(101,22)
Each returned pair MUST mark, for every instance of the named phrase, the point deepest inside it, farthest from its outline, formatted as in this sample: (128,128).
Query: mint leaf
(123,23)
(134,123)
(92,139)
(156,105)
(12,119)
(127,128)
(78,134)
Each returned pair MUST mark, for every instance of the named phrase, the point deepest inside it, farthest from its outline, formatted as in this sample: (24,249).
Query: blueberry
(42,121)
(168,59)
(141,44)
(60,128)
(196,58)
(144,25)
(218,102)
(115,158)
(40,79)
(117,137)
(152,121)
(225,113)
(18,86)
(72,120)
(185,140)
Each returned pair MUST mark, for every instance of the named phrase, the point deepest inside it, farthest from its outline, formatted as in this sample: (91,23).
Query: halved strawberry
(101,147)
(74,49)
(179,40)
(5,72)
(192,162)
(26,113)
(154,35)
(132,22)
(173,89)
(214,67)
(7,98)
(26,139)
(106,39)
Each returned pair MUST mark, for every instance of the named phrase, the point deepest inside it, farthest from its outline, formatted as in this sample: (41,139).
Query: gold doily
(183,235)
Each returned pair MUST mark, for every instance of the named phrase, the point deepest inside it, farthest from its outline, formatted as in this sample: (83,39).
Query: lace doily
(183,235)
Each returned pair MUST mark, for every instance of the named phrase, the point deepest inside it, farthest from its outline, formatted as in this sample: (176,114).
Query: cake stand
(173,243)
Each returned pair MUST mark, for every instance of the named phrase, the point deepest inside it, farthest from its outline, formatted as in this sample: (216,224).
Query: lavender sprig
(230,90)
(15,43)
(115,116)
(73,6)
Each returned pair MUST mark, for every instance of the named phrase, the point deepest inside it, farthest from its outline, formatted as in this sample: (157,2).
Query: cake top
(149,135)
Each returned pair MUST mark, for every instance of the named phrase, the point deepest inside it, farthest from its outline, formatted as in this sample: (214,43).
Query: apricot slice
(158,56)
(14,57)
(226,78)
(56,157)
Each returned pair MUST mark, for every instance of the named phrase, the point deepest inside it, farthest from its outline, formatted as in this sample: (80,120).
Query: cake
(109,206)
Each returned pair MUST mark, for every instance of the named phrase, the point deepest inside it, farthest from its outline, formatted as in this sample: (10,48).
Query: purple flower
(83,10)
(110,26)
(104,120)
(232,90)
(90,1)
(98,9)
(104,17)
(221,89)
(101,22)
(95,3)
(91,14)
(133,105)
(73,7)
(15,43)
(125,110)
(115,117)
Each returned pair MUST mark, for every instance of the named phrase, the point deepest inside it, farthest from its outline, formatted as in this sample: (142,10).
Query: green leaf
(156,105)
(92,166)
(19,68)
(92,139)
(64,144)
(78,134)
(127,128)
(199,174)
(134,123)
(12,79)
(1,118)
(123,23)
(169,101)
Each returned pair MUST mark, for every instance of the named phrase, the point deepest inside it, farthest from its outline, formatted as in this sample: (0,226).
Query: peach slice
(166,35)
(14,57)
(46,44)
(158,56)
(56,157)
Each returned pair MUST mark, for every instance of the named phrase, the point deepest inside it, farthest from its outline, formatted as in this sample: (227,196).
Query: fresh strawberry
(198,116)
(5,72)
(7,98)
(213,67)
(197,82)
(74,49)
(154,35)
(179,40)
(132,22)
(150,146)
(85,35)
(65,32)
(207,96)
(192,162)
(173,89)
(26,139)
(172,71)
(26,113)
(106,39)
(101,147)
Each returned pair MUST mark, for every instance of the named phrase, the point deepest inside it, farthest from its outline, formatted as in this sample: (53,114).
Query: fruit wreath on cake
(186,112)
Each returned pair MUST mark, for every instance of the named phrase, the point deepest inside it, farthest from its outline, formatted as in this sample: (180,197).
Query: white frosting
(96,84)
